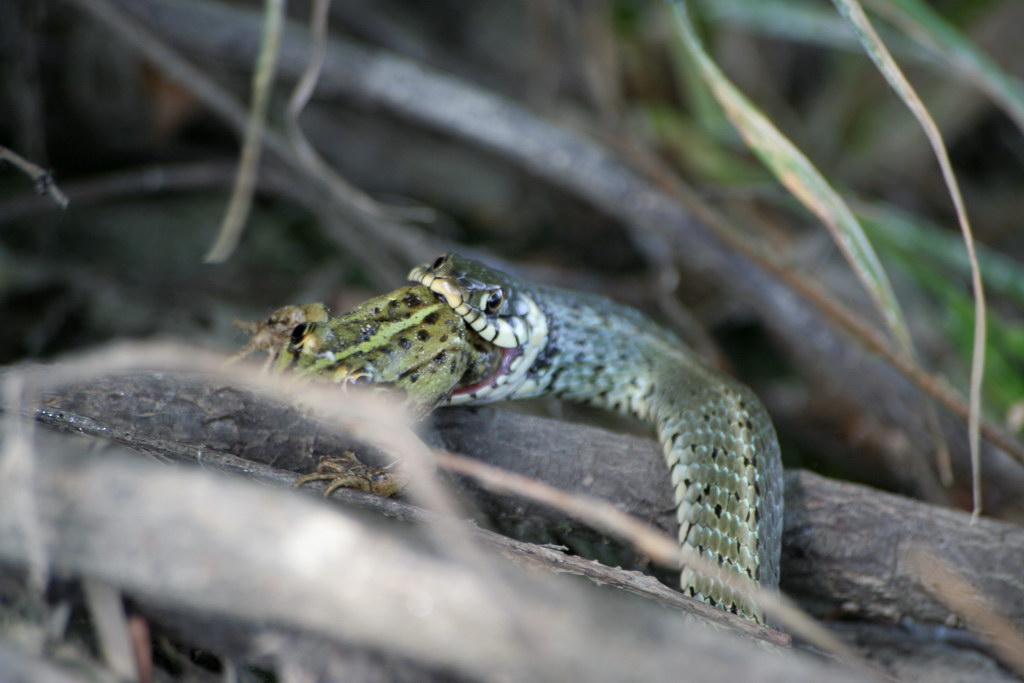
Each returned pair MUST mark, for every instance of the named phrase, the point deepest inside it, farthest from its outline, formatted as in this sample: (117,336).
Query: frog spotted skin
(470,334)
(406,341)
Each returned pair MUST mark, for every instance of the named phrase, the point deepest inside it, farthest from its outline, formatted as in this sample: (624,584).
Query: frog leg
(348,471)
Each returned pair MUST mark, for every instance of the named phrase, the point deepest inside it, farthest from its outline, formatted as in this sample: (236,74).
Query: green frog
(465,333)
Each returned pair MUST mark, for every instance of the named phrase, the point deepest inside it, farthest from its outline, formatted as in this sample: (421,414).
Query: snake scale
(467,334)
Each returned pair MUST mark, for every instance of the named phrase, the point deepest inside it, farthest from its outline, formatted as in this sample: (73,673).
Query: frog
(407,342)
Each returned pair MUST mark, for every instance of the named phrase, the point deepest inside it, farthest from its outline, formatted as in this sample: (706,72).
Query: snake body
(471,334)
(718,441)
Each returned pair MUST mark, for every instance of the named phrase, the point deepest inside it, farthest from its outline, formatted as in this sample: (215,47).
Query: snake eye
(298,333)
(494,302)
(439,262)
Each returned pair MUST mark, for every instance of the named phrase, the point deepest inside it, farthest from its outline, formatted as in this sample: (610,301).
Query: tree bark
(842,548)
(843,543)
(217,550)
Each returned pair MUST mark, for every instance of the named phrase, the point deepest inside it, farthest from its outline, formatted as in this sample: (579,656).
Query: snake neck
(603,354)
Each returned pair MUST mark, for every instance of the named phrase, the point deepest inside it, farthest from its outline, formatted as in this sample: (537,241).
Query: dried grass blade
(854,13)
(248,164)
(949,45)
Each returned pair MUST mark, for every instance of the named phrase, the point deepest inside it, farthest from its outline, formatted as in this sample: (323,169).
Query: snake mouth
(493,380)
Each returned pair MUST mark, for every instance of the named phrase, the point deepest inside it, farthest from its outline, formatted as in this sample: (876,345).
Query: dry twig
(39,175)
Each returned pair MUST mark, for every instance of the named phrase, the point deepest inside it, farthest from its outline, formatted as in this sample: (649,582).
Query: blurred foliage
(942,272)
(928,42)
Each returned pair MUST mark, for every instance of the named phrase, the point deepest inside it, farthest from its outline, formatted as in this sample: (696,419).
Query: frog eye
(298,333)
(439,262)
(494,301)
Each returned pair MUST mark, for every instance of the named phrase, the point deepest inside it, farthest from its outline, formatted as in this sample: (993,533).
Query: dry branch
(208,545)
(42,177)
(842,547)
(18,665)
(202,419)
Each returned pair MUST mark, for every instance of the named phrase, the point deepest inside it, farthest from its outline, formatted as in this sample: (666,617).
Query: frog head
(406,341)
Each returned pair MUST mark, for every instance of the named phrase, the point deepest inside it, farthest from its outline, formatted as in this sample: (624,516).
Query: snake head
(486,299)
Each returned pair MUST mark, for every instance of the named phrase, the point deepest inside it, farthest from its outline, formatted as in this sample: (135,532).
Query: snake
(465,333)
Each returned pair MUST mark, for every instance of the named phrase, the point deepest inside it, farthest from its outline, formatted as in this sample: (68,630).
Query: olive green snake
(469,334)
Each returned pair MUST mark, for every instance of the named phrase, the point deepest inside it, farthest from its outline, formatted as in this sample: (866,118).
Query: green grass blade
(801,178)
(928,38)
(894,229)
